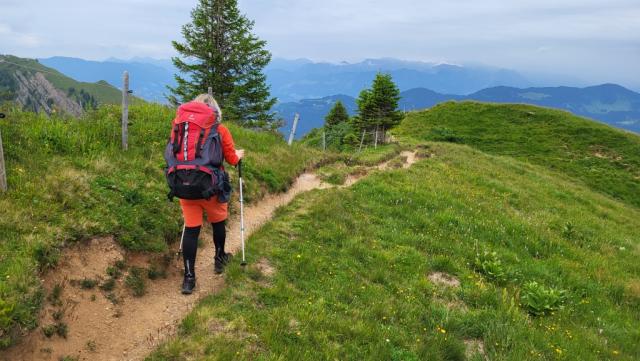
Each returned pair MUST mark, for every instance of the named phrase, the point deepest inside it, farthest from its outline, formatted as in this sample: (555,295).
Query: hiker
(198,146)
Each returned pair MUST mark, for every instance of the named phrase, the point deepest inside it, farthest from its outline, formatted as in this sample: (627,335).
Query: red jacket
(228,148)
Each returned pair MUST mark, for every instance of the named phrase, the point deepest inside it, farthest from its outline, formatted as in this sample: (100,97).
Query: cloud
(13,38)
(591,39)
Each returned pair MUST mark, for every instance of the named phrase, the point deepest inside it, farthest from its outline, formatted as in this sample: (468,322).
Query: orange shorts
(192,211)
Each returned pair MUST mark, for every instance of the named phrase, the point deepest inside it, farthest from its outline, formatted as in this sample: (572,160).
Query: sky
(594,40)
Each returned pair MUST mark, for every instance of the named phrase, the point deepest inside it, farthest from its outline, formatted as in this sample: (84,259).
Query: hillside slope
(464,256)
(607,103)
(41,89)
(604,158)
(69,181)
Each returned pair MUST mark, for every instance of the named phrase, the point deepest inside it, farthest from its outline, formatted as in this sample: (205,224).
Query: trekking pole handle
(240,168)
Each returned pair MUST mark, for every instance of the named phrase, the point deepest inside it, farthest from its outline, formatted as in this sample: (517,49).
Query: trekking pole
(179,253)
(244,262)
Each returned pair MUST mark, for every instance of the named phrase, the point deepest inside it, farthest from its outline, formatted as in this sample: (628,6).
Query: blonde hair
(210,101)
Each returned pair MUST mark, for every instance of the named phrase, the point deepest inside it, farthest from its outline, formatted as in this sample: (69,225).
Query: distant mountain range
(608,103)
(303,79)
(293,80)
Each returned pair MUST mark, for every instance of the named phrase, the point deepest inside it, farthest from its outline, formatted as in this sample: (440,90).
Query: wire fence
(3,172)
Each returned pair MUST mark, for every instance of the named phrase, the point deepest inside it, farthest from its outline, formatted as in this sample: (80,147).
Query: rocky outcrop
(37,93)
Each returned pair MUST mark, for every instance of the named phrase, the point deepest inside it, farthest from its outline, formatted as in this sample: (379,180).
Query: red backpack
(194,155)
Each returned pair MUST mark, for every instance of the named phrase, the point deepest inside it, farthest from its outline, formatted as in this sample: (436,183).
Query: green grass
(337,174)
(604,158)
(352,265)
(371,156)
(69,181)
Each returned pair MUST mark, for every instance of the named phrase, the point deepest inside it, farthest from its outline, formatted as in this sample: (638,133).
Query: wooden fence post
(376,141)
(3,171)
(324,140)
(125,111)
(293,129)
(362,140)
(210,91)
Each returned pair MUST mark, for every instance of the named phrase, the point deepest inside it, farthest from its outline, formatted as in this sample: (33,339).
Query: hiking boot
(221,261)
(188,285)
(227,258)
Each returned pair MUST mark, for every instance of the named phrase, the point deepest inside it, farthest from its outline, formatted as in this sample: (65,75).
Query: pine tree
(337,115)
(364,119)
(219,51)
(385,96)
(378,106)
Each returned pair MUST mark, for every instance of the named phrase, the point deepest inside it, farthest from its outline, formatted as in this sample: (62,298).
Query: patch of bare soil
(90,323)
(473,348)
(453,304)
(409,160)
(265,267)
(444,279)
(603,153)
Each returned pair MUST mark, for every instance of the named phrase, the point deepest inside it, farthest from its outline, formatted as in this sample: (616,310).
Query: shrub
(489,264)
(114,272)
(540,300)
(61,329)
(49,330)
(108,285)
(88,283)
(121,264)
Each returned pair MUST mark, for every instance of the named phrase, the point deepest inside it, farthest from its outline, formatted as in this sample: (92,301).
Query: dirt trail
(410,159)
(100,330)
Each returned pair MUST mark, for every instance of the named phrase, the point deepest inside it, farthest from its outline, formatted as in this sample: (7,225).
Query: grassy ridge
(69,181)
(606,159)
(351,270)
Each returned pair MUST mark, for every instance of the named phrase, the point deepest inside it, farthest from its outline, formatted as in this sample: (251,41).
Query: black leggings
(190,245)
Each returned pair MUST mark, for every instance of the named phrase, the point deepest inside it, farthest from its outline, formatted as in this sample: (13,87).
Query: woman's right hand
(240,153)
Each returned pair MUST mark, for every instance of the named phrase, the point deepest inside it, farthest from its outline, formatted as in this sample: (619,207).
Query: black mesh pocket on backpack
(224,186)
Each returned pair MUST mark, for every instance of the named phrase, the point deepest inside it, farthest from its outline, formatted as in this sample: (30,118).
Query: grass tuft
(88,283)
(135,281)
